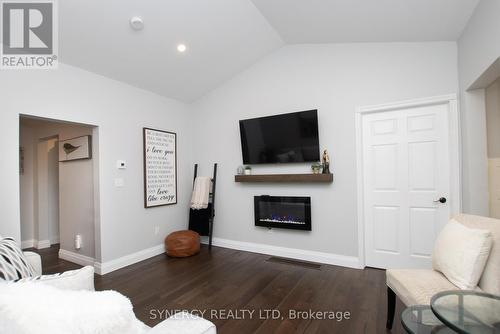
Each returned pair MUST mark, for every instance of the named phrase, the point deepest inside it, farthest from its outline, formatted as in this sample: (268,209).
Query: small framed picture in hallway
(160,167)
(75,148)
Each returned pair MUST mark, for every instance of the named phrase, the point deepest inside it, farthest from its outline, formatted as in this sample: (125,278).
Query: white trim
(27,243)
(127,260)
(76,258)
(408,103)
(360,191)
(41,244)
(293,253)
(455,154)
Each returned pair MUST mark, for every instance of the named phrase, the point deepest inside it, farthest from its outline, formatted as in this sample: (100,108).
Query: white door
(406,171)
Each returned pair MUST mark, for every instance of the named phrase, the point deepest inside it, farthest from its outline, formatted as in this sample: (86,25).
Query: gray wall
(335,79)
(493,119)
(26,183)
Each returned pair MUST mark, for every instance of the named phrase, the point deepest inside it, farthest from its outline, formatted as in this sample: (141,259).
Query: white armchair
(417,286)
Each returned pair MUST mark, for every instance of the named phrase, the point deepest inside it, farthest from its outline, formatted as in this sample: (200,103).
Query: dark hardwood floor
(225,280)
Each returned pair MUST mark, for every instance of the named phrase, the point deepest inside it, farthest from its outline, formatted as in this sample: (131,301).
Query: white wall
(53,196)
(335,79)
(45,192)
(120,111)
(478,48)
(479,45)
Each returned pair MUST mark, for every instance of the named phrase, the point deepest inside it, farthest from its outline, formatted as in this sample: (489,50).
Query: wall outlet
(157,230)
(78,241)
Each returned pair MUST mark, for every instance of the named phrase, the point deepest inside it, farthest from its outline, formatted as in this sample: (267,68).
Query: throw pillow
(460,253)
(13,263)
(80,279)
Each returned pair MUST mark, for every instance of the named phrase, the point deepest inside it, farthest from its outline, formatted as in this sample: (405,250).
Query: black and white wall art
(160,168)
(75,149)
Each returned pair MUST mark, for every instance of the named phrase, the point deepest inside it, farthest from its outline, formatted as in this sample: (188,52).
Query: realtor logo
(29,35)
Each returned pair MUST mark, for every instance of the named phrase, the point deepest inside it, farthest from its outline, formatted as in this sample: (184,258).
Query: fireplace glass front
(283,212)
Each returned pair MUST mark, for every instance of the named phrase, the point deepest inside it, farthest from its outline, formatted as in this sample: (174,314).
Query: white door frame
(455,155)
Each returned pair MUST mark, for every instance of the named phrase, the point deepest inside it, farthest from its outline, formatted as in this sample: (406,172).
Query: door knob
(442,200)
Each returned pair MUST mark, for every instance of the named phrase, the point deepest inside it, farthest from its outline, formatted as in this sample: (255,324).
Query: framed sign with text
(160,168)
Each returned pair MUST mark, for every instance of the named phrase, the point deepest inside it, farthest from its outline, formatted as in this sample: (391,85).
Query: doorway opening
(57,187)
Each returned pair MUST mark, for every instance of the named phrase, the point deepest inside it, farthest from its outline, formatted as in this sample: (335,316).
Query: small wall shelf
(283,178)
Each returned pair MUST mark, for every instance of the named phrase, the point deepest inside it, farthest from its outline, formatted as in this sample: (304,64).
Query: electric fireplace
(283,212)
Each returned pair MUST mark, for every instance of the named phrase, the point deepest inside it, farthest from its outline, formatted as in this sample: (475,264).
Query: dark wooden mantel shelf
(269,178)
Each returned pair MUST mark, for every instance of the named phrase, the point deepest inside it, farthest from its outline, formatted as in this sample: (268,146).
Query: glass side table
(468,312)
(420,319)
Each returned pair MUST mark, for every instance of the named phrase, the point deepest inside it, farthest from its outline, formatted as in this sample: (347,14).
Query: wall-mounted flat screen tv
(282,138)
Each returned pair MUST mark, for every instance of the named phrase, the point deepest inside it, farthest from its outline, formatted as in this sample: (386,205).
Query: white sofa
(417,286)
(181,323)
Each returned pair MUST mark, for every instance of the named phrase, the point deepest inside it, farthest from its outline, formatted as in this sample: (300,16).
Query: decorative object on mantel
(326,162)
(160,167)
(285,178)
(240,170)
(316,168)
(78,148)
(248,170)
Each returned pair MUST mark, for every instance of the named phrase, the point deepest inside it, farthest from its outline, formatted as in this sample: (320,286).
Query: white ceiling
(226,36)
(338,21)
(223,37)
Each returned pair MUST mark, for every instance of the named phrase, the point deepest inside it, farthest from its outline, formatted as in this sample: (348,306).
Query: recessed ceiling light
(181,48)
(137,23)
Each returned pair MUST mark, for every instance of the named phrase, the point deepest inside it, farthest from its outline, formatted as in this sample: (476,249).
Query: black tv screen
(280,139)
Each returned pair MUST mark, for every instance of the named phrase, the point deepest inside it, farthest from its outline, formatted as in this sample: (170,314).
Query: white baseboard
(41,244)
(27,244)
(76,258)
(54,240)
(292,253)
(107,267)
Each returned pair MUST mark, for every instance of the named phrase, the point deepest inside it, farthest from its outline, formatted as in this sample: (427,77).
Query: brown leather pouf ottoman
(182,243)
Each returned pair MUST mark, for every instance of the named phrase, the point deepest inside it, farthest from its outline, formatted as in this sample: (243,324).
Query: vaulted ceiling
(346,21)
(223,37)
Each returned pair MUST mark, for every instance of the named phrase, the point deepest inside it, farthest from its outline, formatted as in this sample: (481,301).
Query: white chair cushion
(417,286)
(80,279)
(460,253)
